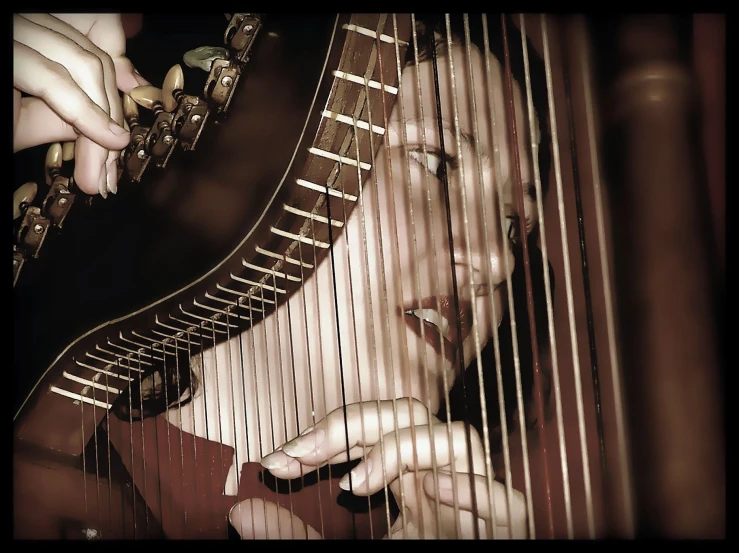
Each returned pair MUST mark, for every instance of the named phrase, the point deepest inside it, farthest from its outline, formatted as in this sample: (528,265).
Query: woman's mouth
(439,323)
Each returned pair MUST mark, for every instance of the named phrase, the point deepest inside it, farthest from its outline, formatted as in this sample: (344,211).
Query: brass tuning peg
(68,151)
(174,82)
(203,57)
(23,196)
(130,111)
(147,96)
(53,162)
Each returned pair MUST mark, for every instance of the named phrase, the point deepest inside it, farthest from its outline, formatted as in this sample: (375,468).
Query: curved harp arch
(154,429)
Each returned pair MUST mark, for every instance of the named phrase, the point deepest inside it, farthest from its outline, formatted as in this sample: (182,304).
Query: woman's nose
(486,259)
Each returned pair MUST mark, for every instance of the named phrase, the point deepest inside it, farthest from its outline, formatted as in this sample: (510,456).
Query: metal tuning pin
(53,162)
(23,197)
(204,57)
(130,111)
(241,33)
(148,96)
(134,159)
(160,140)
(174,82)
(32,225)
(68,151)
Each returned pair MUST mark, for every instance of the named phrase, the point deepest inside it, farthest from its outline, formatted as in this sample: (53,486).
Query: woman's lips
(458,320)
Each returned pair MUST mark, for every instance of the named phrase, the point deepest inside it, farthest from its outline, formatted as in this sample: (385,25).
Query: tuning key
(23,197)
(148,96)
(172,89)
(203,57)
(130,111)
(53,162)
(68,151)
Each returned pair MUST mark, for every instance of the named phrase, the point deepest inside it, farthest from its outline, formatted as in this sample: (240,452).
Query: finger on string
(369,477)
(39,124)
(259,519)
(282,465)
(476,487)
(361,425)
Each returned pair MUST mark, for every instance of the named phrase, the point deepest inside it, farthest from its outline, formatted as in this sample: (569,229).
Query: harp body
(151,479)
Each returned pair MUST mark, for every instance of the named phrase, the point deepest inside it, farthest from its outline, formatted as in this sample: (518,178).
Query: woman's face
(395,263)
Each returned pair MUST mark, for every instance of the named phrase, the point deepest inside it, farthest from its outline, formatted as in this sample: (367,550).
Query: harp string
(295,397)
(594,368)
(489,470)
(270,409)
(513,136)
(233,406)
(310,380)
(496,338)
(547,290)
(165,385)
(511,311)
(97,460)
(283,403)
(622,442)
(322,361)
(445,182)
(203,370)
(368,74)
(180,393)
(351,302)
(370,310)
(84,461)
(133,464)
(470,274)
(192,412)
(258,409)
(396,271)
(568,283)
(110,476)
(411,217)
(218,411)
(416,281)
(435,288)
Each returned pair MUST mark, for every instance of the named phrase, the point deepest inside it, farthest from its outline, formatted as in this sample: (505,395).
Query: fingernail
(116,129)
(112,180)
(305,444)
(358,476)
(103,182)
(304,432)
(274,461)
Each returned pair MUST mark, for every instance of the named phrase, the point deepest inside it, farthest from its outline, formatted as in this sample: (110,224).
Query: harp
(617,407)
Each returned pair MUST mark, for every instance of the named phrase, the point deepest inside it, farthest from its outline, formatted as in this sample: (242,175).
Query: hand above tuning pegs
(72,67)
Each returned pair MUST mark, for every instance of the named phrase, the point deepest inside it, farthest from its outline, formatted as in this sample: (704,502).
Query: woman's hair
(164,383)
(464,397)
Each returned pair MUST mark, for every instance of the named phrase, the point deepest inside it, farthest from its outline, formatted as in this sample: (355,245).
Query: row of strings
(201,337)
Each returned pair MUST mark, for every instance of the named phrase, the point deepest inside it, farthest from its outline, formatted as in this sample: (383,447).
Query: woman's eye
(430,161)
(512,228)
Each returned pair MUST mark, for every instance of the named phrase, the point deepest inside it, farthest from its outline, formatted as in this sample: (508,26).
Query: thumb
(260,519)
(126,76)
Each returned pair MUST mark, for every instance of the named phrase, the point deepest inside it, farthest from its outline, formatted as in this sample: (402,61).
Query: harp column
(665,285)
